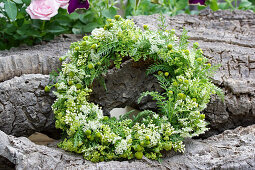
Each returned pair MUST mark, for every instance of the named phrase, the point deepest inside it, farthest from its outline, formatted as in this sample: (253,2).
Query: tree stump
(226,37)
(233,149)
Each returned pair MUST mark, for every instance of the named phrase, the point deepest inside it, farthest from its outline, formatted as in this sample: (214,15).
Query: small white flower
(155,116)
(62,86)
(121,147)
(154,49)
(98,33)
(71,90)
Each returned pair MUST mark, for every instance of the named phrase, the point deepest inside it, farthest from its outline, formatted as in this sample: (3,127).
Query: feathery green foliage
(182,73)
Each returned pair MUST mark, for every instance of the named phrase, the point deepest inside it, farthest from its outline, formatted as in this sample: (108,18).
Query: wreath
(183,75)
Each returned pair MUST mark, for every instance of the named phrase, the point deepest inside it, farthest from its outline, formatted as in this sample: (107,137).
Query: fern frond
(53,75)
(219,93)
(158,67)
(105,50)
(155,96)
(140,115)
(126,115)
(164,83)
(183,44)
(213,70)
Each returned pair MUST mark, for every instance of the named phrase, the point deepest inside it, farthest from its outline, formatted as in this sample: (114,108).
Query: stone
(233,149)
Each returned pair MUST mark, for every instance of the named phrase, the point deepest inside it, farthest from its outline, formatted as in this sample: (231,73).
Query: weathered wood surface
(233,149)
(24,106)
(227,38)
(39,59)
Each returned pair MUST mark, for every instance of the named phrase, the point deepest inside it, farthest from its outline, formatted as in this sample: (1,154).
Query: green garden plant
(235,4)
(182,73)
(224,5)
(17,27)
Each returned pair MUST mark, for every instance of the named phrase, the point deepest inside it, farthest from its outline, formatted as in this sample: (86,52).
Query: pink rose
(42,9)
(63,3)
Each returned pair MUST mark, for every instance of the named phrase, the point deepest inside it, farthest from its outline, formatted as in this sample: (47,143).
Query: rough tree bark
(227,38)
(24,106)
(233,149)
(39,59)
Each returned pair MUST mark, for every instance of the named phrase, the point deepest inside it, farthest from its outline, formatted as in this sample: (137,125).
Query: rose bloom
(42,9)
(63,3)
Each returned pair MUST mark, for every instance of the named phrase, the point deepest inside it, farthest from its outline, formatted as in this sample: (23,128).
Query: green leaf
(55,29)
(34,33)
(3,45)
(10,28)
(200,7)
(181,4)
(2,24)
(74,16)
(214,5)
(26,30)
(89,27)
(36,23)
(20,15)
(20,22)
(87,17)
(17,1)
(245,4)
(77,28)
(77,31)
(109,13)
(27,2)
(224,5)
(64,20)
(10,9)
(48,37)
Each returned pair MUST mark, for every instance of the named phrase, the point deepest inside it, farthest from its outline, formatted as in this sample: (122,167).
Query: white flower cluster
(122,146)
(155,41)
(71,90)
(92,124)
(98,33)
(62,86)
(179,146)
(67,68)
(101,34)
(167,129)
(151,131)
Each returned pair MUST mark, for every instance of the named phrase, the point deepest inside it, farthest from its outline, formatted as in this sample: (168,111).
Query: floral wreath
(183,75)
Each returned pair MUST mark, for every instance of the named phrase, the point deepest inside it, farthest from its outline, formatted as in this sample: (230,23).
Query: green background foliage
(17,28)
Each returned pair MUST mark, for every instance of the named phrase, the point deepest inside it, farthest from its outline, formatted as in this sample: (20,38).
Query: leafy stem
(43,25)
